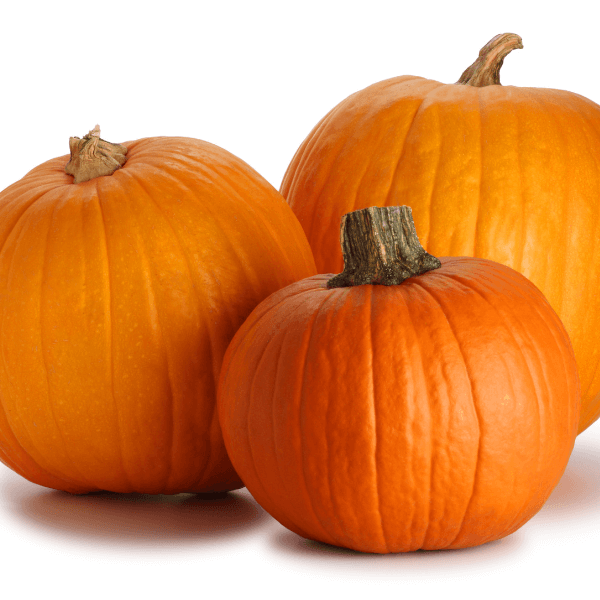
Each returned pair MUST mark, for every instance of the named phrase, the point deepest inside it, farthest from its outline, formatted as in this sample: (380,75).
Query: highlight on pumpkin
(437,412)
(488,172)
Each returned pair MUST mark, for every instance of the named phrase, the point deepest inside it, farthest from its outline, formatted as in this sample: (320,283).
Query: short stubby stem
(93,157)
(380,246)
(486,69)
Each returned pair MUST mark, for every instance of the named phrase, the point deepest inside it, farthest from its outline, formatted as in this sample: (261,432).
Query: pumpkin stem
(93,157)
(380,246)
(486,69)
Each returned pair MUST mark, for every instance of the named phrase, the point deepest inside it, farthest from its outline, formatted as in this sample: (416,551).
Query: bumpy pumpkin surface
(118,298)
(500,172)
(438,413)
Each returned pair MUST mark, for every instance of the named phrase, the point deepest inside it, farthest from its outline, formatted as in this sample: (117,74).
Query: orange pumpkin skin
(439,413)
(118,298)
(500,172)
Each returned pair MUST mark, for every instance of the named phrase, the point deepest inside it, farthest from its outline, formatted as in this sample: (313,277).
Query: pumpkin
(435,410)
(500,172)
(119,293)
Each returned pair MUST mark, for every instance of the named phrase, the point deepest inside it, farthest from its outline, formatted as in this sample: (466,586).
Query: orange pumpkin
(436,411)
(500,172)
(118,298)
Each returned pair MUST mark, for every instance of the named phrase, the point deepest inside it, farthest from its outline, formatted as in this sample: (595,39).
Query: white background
(254,77)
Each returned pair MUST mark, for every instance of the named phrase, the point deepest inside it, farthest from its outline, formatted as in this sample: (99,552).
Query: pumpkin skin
(500,172)
(439,413)
(118,298)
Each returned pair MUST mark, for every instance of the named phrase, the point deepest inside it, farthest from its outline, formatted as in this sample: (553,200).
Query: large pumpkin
(436,411)
(118,297)
(500,172)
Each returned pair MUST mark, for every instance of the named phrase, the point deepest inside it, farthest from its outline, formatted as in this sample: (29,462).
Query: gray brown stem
(93,157)
(486,69)
(380,246)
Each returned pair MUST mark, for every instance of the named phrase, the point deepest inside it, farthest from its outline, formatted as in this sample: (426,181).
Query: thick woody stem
(380,246)
(486,69)
(93,157)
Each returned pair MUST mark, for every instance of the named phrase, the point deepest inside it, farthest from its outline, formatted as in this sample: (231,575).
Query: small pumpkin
(437,410)
(121,285)
(500,172)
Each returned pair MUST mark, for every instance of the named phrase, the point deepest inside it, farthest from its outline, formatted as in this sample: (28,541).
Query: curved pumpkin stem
(486,69)
(93,157)
(380,246)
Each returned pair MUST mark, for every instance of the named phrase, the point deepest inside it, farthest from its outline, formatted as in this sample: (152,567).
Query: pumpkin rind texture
(500,172)
(438,413)
(118,298)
